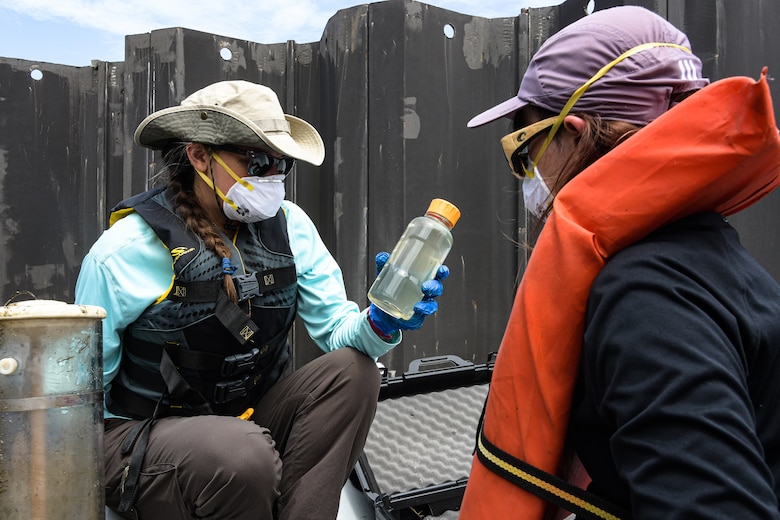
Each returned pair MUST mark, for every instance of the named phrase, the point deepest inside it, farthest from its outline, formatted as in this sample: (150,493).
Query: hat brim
(210,124)
(505,109)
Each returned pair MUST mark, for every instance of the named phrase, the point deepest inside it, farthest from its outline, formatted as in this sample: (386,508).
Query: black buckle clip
(247,286)
(240,363)
(225,391)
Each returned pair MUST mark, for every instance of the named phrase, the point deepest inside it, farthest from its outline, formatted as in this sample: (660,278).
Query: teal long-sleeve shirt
(128,269)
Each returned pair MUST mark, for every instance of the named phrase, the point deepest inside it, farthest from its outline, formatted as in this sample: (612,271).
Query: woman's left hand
(431,290)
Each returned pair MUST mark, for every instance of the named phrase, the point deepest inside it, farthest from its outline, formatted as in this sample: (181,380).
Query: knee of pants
(359,373)
(243,461)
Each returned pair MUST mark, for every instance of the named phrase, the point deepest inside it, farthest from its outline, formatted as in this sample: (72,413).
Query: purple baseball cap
(637,90)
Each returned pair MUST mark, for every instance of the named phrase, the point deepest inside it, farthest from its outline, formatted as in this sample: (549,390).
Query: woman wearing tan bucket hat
(202,280)
(643,338)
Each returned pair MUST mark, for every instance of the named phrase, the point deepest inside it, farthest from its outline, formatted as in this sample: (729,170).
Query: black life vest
(194,351)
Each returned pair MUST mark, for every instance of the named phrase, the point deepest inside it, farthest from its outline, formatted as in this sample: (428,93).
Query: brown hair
(179,175)
(598,138)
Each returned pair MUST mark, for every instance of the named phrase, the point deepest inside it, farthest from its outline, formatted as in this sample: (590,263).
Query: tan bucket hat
(238,113)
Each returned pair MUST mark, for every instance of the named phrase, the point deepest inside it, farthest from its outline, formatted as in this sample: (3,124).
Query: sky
(75,32)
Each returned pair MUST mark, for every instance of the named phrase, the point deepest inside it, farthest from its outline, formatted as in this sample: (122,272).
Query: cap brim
(505,109)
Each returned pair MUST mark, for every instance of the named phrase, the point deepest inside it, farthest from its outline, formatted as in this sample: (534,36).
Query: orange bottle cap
(445,209)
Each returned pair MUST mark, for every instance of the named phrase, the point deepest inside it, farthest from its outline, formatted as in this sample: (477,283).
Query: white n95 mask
(259,199)
(536,194)
(249,199)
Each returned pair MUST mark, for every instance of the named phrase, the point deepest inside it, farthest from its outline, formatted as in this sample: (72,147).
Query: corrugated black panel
(747,40)
(333,81)
(390,86)
(54,152)
(431,70)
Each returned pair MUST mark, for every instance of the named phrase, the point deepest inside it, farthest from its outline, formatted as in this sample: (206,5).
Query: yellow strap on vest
(545,485)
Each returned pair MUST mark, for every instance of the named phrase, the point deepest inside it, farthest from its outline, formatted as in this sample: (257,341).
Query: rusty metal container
(51,411)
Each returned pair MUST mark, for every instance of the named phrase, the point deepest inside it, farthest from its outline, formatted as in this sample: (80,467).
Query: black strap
(240,326)
(137,439)
(179,391)
(247,285)
(226,366)
(182,357)
(254,362)
(235,320)
(549,487)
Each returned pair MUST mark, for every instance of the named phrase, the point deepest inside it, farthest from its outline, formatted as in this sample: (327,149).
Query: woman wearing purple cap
(644,342)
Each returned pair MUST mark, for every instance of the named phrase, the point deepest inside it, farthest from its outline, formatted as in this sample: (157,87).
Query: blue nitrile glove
(386,325)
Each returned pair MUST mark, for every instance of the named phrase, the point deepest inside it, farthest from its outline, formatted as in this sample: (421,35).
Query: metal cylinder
(51,411)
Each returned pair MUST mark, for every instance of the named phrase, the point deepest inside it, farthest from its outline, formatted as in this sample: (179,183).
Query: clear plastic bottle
(419,252)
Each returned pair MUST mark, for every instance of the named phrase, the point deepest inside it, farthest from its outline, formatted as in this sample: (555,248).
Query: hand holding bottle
(386,324)
(416,257)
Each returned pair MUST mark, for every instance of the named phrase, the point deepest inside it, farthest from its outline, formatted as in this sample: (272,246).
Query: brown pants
(289,461)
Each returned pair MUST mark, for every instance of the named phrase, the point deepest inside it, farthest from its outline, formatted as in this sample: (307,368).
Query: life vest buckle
(247,286)
(240,363)
(225,391)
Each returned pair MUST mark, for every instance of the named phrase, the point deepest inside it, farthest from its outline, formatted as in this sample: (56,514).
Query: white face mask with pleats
(249,199)
(259,200)
(536,194)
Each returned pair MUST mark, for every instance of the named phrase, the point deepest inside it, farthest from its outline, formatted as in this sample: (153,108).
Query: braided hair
(179,176)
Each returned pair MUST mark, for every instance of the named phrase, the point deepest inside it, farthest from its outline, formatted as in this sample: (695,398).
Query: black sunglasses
(260,163)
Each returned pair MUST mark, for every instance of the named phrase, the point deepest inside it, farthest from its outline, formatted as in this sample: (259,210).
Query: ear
(198,155)
(574,124)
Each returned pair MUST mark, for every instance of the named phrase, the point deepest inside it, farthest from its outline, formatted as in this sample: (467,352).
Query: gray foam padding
(426,439)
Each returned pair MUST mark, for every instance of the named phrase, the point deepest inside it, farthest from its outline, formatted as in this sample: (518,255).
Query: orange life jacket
(719,150)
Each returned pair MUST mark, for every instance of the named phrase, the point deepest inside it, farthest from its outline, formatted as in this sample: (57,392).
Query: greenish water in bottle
(416,257)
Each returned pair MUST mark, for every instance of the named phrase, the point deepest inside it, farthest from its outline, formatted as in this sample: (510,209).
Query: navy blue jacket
(676,409)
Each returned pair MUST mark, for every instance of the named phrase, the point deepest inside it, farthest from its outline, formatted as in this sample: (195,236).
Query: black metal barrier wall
(390,86)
